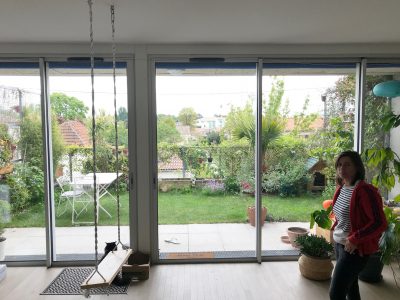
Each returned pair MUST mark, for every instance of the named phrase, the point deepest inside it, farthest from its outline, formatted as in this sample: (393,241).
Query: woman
(359,224)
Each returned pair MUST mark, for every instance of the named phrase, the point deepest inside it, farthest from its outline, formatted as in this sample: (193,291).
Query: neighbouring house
(315,167)
(74,133)
(172,175)
(208,124)
(317,124)
(172,169)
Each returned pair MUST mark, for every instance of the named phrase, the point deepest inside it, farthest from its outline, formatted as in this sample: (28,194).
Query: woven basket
(315,268)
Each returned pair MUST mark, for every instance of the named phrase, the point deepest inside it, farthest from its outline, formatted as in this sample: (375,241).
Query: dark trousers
(344,281)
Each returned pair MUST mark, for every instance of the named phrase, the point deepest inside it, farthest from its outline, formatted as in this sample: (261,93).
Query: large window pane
(21,162)
(376,108)
(205,146)
(70,99)
(308,118)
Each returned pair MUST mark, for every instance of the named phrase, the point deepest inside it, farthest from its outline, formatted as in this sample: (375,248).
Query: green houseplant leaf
(321,217)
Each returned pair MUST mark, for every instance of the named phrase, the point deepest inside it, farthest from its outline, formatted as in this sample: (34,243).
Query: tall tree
(68,108)
(187,116)
(122,114)
(31,139)
(340,103)
(240,122)
(166,130)
(303,121)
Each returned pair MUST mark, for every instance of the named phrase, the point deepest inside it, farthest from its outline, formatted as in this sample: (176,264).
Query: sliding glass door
(205,159)
(309,114)
(71,119)
(22,187)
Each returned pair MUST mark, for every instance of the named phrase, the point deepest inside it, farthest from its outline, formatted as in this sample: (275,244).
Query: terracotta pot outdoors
(294,233)
(251,215)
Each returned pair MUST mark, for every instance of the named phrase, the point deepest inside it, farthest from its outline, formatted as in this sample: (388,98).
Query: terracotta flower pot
(251,215)
(294,233)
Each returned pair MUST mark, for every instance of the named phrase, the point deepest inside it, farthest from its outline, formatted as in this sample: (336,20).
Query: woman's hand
(349,247)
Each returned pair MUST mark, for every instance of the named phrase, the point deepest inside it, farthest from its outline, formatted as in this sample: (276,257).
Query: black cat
(112,246)
(120,279)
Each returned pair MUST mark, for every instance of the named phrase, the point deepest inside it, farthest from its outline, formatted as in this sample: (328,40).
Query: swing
(105,271)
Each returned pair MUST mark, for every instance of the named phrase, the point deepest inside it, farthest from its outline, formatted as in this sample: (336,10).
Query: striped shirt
(341,209)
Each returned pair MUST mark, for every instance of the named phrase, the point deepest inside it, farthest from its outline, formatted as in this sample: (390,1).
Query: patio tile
(184,228)
(173,242)
(209,241)
(187,238)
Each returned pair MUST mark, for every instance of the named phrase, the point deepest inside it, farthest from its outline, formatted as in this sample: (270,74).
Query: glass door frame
(360,68)
(153,121)
(48,172)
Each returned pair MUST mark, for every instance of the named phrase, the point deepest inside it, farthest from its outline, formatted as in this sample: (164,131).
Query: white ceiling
(203,21)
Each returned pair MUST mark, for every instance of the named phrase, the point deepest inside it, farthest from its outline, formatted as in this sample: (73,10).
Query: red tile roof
(175,163)
(317,124)
(75,133)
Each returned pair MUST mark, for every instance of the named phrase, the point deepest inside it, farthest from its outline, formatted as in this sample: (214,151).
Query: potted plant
(294,232)
(322,221)
(315,261)
(389,251)
(387,164)
(251,215)
(389,244)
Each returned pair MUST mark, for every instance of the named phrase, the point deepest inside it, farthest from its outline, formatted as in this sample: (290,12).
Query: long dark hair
(356,159)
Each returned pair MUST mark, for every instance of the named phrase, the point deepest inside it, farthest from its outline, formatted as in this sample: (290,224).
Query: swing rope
(90,3)
(113,261)
(112,14)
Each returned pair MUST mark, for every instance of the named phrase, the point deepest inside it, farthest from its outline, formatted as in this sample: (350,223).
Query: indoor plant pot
(315,261)
(389,249)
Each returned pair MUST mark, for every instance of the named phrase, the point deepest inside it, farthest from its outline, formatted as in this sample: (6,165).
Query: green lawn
(175,208)
(179,208)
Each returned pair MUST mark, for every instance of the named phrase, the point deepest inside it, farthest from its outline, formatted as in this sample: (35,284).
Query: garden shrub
(26,184)
(19,193)
(328,192)
(286,173)
(246,174)
(287,178)
(232,185)
(34,180)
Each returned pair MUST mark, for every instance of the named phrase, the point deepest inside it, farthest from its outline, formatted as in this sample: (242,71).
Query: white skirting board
(3,272)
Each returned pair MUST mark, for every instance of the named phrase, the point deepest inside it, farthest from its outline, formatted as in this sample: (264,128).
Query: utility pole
(323,98)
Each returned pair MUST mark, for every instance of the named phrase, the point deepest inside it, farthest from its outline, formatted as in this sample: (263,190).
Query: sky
(210,95)
(207,95)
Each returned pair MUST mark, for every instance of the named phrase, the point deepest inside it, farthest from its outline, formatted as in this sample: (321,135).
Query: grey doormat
(68,282)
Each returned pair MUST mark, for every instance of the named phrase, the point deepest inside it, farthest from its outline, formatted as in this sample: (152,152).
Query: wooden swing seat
(109,268)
